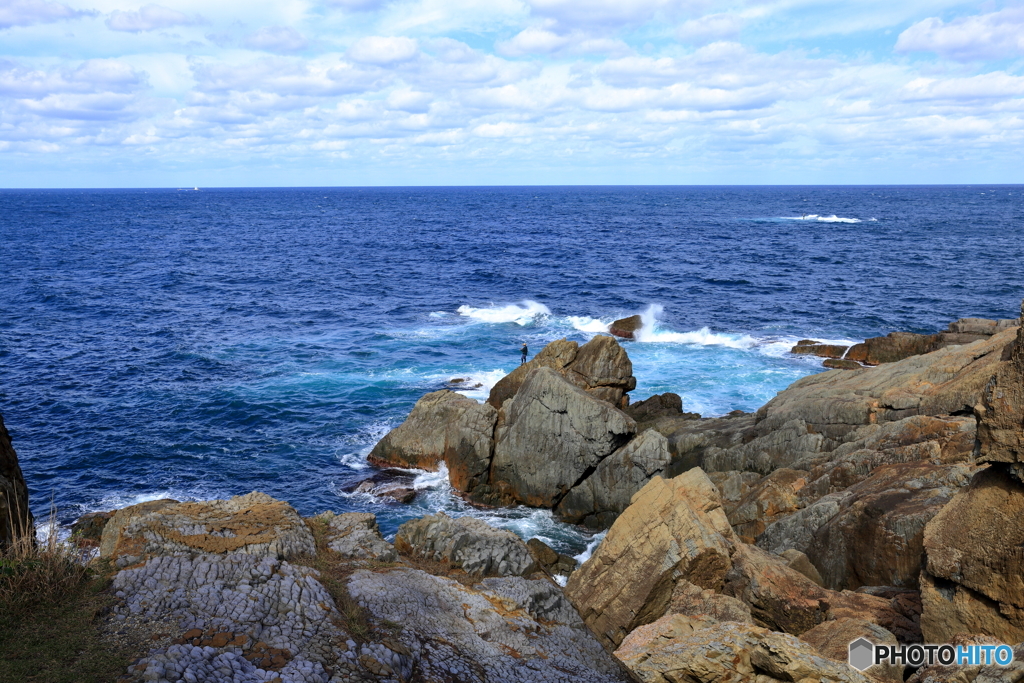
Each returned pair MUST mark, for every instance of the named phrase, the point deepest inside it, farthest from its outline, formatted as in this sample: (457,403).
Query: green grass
(49,608)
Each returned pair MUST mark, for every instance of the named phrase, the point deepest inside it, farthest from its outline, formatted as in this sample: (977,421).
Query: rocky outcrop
(899,345)
(675,529)
(727,653)
(626,327)
(832,639)
(15,516)
(355,536)
(253,524)
(466,543)
(600,367)
(443,427)
(1001,414)
(809,347)
(549,560)
(599,499)
(549,437)
(965,673)
(503,630)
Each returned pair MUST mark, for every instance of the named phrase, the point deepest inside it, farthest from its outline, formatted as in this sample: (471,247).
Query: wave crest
(525,314)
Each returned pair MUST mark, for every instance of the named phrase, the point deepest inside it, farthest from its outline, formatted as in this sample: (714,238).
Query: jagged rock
(355,536)
(731,653)
(626,327)
(974,577)
(555,355)
(964,673)
(841,364)
(775,496)
(697,442)
(15,516)
(1001,415)
(88,529)
(443,427)
(707,605)
(674,529)
(800,562)
(832,639)
(504,630)
(876,537)
(783,599)
(549,560)
(893,347)
(551,435)
(467,543)
(254,524)
(598,499)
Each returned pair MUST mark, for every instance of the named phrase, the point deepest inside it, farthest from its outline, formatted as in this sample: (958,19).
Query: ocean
(199,344)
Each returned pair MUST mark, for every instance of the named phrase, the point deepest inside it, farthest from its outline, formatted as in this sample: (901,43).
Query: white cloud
(29,12)
(277,39)
(383,50)
(149,18)
(91,76)
(532,41)
(608,12)
(287,76)
(409,100)
(987,36)
(358,5)
(994,85)
(710,28)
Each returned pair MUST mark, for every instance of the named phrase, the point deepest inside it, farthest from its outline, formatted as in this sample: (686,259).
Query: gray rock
(467,543)
(507,630)
(551,435)
(355,536)
(598,499)
(15,517)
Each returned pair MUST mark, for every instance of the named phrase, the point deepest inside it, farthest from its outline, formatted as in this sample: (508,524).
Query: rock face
(505,630)
(973,580)
(253,524)
(626,327)
(729,653)
(675,529)
(899,345)
(832,638)
(443,427)
(551,434)
(601,497)
(15,516)
(467,543)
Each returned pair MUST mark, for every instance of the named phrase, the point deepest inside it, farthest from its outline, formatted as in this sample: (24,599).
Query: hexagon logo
(862,654)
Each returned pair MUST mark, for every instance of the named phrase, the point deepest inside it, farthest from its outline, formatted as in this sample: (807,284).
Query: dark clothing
(524,354)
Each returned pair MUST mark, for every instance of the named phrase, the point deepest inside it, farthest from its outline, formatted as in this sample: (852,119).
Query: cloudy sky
(108,93)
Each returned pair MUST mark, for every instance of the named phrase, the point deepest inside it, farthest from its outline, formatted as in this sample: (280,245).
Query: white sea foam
(822,219)
(589,325)
(432,480)
(653,332)
(476,385)
(591,547)
(523,314)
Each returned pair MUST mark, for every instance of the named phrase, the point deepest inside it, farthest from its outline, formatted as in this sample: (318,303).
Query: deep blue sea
(200,344)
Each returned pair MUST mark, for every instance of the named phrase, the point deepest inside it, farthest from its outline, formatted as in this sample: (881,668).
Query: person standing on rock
(524,351)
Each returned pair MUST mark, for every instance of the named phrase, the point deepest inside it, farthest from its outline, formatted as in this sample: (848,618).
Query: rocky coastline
(883,501)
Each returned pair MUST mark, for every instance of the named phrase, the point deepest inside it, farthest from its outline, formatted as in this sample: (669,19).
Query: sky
(114,93)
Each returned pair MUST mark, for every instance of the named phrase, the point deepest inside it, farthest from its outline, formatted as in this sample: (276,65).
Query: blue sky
(114,93)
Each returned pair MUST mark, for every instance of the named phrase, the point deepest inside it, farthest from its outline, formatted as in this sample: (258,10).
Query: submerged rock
(15,516)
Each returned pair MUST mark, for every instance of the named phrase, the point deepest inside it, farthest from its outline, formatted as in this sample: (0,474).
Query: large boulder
(674,529)
(974,577)
(728,652)
(550,435)
(15,517)
(626,327)
(443,427)
(466,543)
(601,497)
(503,629)
(253,524)
(1001,415)
(601,367)
(832,639)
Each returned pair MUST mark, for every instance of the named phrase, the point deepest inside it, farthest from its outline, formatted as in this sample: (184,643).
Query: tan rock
(15,517)
(707,605)
(253,524)
(832,639)
(443,427)
(731,653)
(555,355)
(800,562)
(974,577)
(674,529)
(1001,415)
(626,327)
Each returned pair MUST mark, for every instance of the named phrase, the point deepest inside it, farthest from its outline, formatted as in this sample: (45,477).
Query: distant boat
(196,189)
